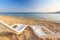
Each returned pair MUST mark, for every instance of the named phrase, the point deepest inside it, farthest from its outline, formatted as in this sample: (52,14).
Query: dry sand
(28,33)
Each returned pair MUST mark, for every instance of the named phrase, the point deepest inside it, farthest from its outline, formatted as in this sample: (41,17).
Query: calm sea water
(36,15)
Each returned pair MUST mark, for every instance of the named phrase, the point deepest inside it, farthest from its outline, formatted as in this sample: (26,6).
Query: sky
(29,5)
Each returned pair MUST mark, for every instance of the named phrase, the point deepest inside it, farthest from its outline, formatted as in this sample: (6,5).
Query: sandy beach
(28,33)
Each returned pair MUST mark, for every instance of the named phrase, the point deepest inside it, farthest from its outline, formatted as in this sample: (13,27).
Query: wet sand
(28,33)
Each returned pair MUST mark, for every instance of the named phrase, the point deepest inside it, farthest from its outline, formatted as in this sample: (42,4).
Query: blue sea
(36,15)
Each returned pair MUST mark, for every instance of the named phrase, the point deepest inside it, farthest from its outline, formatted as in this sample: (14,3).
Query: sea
(36,15)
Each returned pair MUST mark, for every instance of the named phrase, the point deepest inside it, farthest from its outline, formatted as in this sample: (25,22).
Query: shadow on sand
(11,36)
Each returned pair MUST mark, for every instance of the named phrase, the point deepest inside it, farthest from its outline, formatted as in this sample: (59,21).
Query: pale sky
(29,5)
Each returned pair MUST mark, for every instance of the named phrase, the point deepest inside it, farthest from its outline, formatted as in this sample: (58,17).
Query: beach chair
(41,34)
(16,28)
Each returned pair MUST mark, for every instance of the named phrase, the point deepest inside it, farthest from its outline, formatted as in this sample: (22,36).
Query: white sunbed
(41,34)
(18,28)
